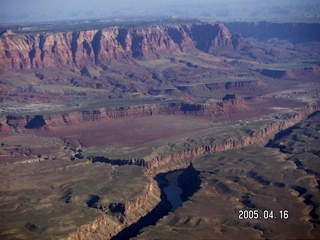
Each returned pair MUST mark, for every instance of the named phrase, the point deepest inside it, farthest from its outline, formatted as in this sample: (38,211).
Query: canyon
(248,175)
(95,123)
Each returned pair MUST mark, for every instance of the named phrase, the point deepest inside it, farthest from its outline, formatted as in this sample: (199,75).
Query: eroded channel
(176,187)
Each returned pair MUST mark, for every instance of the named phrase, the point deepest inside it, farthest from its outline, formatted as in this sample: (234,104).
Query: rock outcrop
(253,85)
(98,47)
(291,73)
(19,123)
(124,215)
(181,158)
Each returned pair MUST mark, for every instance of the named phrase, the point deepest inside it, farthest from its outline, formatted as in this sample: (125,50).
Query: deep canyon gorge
(164,130)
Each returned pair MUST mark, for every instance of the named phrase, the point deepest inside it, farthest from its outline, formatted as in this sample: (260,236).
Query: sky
(26,11)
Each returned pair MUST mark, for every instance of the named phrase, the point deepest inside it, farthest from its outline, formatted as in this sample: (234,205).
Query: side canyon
(96,122)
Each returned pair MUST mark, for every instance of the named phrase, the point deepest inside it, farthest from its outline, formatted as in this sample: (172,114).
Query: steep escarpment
(18,123)
(291,73)
(208,37)
(140,212)
(253,138)
(98,47)
(252,85)
(123,215)
(189,180)
(181,158)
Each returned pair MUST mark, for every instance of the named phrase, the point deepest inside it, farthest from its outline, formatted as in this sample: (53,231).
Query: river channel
(171,195)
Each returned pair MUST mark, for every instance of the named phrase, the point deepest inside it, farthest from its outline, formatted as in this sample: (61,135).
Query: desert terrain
(172,129)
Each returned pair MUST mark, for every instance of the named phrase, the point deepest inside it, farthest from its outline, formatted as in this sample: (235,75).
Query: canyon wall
(98,47)
(253,85)
(182,158)
(19,123)
(291,73)
(131,211)
(126,213)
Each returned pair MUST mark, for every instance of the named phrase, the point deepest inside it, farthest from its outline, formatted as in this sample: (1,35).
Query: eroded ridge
(253,178)
(97,123)
(91,47)
(177,161)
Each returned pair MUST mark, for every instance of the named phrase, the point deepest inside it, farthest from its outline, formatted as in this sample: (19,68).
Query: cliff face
(255,85)
(181,158)
(291,73)
(94,47)
(124,215)
(19,123)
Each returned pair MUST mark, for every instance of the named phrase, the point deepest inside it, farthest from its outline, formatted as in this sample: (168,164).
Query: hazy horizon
(21,11)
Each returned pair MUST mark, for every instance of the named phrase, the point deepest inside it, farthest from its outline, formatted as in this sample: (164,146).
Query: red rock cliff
(92,47)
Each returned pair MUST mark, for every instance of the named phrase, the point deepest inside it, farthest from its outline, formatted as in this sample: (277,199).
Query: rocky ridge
(181,160)
(291,73)
(18,123)
(124,214)
(97,47)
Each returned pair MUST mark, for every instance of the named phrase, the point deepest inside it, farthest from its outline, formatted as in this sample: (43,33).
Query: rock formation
(130,212)
(97,47)
(253,85)
(82,49)
(181,159)
(19,123)
(291,73)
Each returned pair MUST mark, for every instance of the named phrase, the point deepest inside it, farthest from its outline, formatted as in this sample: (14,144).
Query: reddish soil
(143,131)
(129,132)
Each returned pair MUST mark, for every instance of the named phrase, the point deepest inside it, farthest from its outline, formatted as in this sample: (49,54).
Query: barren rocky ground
(97,123)
(247,179)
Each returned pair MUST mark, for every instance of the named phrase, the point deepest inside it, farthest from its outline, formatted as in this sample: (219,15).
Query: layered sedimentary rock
(130,212)
(181,158)
(97,47)
(252,85)
(127,213)
(190,109)
(291,73)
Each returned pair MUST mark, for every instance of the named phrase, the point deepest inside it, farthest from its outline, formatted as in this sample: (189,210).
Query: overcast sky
(24,11)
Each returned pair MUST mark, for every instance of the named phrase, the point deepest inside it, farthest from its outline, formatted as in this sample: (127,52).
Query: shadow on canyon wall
(189,181)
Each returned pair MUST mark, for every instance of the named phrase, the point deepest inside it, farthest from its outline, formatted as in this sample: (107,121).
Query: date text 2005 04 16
(249,214)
